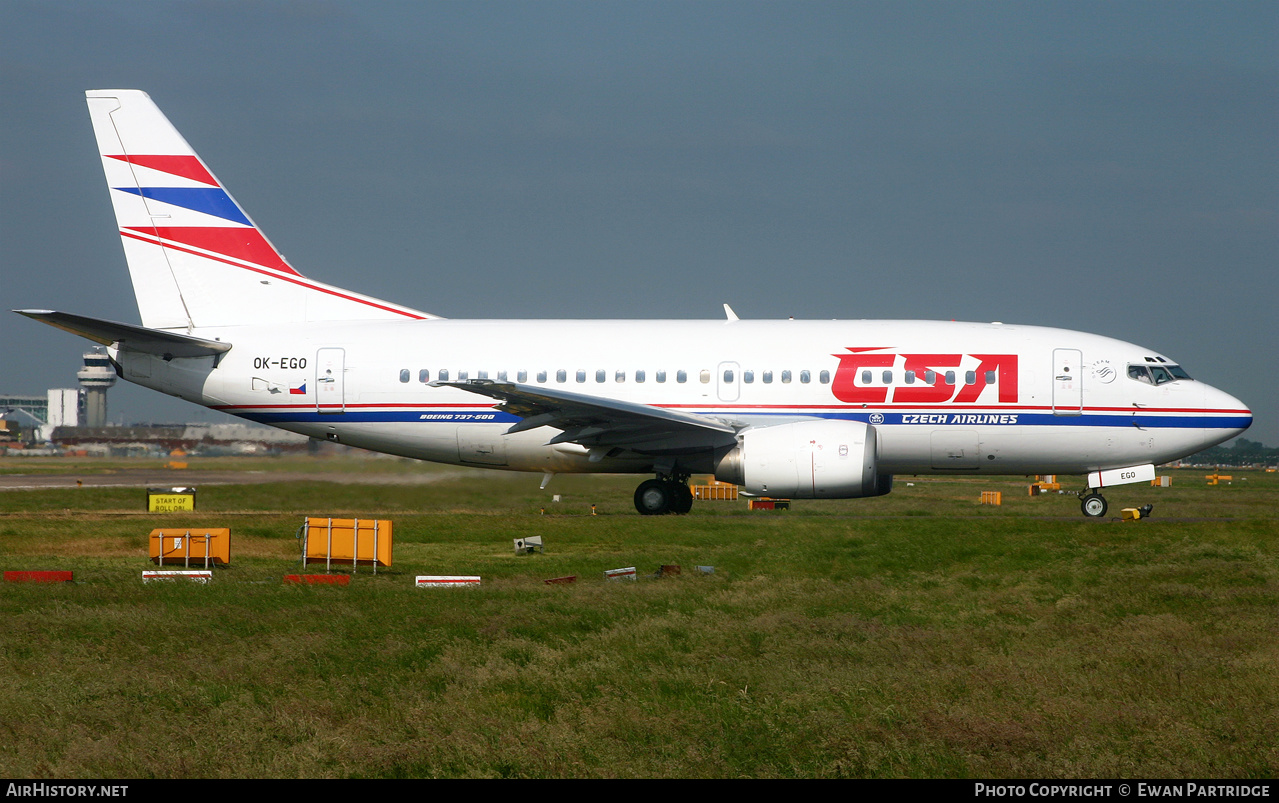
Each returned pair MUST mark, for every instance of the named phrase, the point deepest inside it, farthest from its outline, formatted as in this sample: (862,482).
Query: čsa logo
(923,378)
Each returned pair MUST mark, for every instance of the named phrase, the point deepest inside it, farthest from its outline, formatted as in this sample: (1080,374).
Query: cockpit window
(1139,373)
(1157,374)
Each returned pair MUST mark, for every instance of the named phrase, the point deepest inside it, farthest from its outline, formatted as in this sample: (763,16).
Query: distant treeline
(1243,452)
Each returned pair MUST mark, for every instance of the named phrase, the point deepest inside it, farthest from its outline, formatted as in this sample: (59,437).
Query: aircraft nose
(1224,416)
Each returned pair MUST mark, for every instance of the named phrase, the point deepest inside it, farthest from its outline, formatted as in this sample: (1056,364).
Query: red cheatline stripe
(264,272)
(231,241)
(309,406)
(185,166)
(783,407)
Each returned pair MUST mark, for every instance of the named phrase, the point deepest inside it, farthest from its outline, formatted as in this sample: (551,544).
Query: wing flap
(595,421)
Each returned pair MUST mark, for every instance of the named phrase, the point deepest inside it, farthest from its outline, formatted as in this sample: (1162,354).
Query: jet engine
(807,460)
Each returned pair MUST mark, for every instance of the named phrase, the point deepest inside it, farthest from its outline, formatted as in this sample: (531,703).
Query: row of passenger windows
(704,376)
(929,377)
(601,375)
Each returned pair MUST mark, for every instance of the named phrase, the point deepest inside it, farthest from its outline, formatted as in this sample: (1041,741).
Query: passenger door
(1068,382)
(330,380)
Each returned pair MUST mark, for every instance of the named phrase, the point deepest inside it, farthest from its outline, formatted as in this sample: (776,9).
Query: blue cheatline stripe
(1041,420)
(209,200)
(878,419)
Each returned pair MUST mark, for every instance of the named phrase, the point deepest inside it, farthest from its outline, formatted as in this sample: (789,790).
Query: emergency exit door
(728,381)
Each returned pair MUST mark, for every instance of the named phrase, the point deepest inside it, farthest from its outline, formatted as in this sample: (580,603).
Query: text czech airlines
(959,418)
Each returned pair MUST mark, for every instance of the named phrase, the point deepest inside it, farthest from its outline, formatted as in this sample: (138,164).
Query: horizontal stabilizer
(128,337)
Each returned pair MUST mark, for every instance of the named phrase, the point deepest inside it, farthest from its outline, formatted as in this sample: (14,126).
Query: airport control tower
(95,377)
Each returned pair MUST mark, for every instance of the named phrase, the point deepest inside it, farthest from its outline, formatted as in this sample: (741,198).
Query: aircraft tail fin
(195,258)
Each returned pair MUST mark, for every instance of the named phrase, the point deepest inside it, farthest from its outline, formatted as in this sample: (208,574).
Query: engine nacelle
(807,460)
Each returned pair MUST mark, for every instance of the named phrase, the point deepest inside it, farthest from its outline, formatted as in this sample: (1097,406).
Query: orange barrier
(347,541)
(209,545)
(717,491)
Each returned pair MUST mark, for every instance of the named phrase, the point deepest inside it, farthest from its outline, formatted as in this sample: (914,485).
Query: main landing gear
(663,495)
(1093,504)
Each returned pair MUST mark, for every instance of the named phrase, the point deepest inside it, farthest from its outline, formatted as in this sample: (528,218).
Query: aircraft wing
(593,421)
(129,337)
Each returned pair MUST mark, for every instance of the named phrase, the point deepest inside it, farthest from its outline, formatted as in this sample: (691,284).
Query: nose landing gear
(1093,504)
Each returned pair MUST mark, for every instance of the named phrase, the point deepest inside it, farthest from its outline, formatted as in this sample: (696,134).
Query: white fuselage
(1018,399)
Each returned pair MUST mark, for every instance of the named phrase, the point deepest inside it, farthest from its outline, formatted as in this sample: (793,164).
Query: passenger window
(824,377)
(501,376)
(620,376)
(910,377)
(681,376)
(990,377)
(888,377)
(639,375)
(705,376)
(600,374)
(804,377)
(950,377)
(581,375)
(661,376)
(522,376)
(865,377)
(748,376)
(462,376)
(768,377)
(444,374)
(404,375)
(541,376)
(728,376)
(424,376)
(561,375)
(785,376)
(482,374)
(930,377)
(970,377)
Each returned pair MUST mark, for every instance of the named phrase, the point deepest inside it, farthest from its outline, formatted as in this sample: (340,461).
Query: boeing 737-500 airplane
(800,409)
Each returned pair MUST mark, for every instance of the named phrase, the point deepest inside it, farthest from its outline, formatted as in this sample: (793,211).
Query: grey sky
(1109,167)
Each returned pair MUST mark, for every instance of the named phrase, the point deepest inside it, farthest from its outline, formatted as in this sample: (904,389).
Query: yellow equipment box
(209,545)
(366,541)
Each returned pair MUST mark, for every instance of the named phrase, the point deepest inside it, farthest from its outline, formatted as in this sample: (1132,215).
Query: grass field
(915,635)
